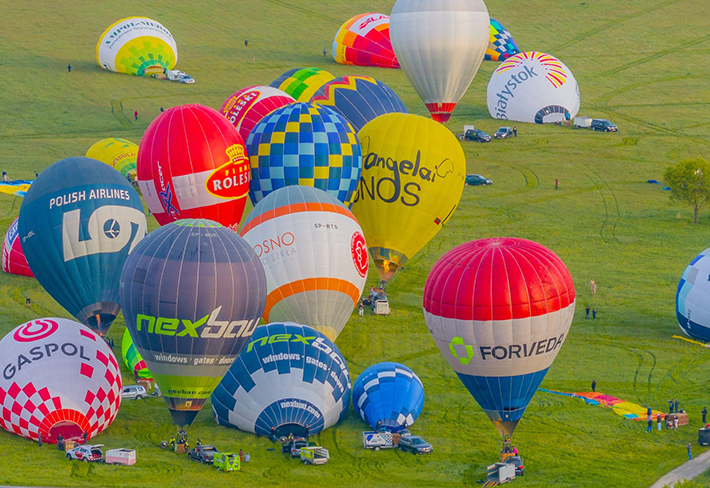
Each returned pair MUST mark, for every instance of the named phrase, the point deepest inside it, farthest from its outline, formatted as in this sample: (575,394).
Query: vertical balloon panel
(78,222)
(192,294)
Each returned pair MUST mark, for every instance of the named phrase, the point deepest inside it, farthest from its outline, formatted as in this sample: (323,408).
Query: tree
(689,181)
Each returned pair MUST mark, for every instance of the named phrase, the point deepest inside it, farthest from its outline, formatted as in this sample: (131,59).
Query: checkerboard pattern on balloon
(301,144)
(390,380)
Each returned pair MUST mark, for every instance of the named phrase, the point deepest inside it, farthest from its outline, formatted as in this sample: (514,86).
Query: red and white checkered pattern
(66,375)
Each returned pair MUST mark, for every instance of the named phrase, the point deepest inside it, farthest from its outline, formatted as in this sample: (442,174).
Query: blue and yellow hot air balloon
(78,222)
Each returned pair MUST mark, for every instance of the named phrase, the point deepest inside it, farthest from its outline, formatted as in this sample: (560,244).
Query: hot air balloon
(117,153)
(412,180)
(499,310)
(314,255)
(501,44)
(358,98)
(692,300)
(533,87)
(137,46)
(246,107)
(192,164)
(290,379)
(192,293)
(364,40)
(78,222)
(59,378)
(302,83)
(133,359)
(440,46)
(13,258)
(301,144)
(388,396)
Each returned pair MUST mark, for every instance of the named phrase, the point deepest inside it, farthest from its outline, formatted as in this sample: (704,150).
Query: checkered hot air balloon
(499,310)
(59,378)
(302,83)
(301,144)
(388,396)
(692,298)
(501,45)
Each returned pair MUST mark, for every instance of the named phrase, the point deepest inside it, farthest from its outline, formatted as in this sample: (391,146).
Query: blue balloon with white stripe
(388,396)
(693,298)
(290,379)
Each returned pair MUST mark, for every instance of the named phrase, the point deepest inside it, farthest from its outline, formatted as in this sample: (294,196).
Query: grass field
(641,63)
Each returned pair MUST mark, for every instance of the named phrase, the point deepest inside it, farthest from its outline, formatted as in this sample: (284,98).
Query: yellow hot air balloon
(120,154)
(412,180)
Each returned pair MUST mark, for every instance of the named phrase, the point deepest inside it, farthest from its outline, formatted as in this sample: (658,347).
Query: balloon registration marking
(36,330)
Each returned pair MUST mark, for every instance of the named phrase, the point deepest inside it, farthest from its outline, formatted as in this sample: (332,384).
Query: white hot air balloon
(533,87)
(440,45)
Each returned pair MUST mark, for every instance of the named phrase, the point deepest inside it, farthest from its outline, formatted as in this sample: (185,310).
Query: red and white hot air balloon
(13,257)
(59,378)
(499,310)
(192,163)
(440,46)
(246,107)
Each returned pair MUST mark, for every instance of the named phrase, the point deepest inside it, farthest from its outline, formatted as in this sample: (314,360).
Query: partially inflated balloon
(499,310)
(302,83)
(301,144)
(440,46)
(13,257)
(388,396)
(364,40)
(412,180)
(359,99)
(501,45)
(192,164)
(78,222)
(533,87)
(290,379)
(59,378)
(132,358)
(692,299)
(246,107)
(314,255)
(117,153)
(137,46)
(192,294)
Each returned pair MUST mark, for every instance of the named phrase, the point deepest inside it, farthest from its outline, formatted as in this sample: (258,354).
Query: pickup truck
(203,453)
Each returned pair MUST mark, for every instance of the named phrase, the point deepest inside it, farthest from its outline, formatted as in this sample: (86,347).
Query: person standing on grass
(594,313)
(659,421)
(677,406)
(28,302)
(690,450)
(135,115)
(670,406)
(69,68)
(705,415)
(650,425)
(325,51)
(515,131)
(586,312)
(594,386)
(675,421)
(557,183)
(593,287)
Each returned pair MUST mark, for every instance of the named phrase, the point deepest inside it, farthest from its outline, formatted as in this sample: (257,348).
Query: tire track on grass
(607,231)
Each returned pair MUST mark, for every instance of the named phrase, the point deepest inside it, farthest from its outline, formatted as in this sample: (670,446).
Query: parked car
(87,453)
(415,445)
(503,133)
(476,180)
(519,468)
(604,125)
(476,135)
(133,392)
(203,453)
(296,446)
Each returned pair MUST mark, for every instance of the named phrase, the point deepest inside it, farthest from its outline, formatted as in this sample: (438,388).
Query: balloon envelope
(314,255)
(59,378)
(13,257)
(246,107)
(302,83)
(388,396)
(289,379)
(132,358)
(120,154)
(301,144)
(692,298)
(364,40)
(533,87)
(412,180)
(78,222)
(440,46)
(499,310)
(192,293)
(192,164)
(137,46)
(358,98)
(501,44)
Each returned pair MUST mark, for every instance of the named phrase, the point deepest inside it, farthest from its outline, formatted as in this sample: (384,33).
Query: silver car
(133,392)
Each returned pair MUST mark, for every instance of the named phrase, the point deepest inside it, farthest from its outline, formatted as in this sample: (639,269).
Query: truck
(203,453)
(179,76)
(314,455)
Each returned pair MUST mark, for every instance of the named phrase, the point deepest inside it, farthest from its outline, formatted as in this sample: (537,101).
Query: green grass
(641,63)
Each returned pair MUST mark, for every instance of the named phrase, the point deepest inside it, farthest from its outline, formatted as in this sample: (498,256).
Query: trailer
(582,122)
(314,455)
(378,440)
(499,473)
(227,461)
(121,456)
